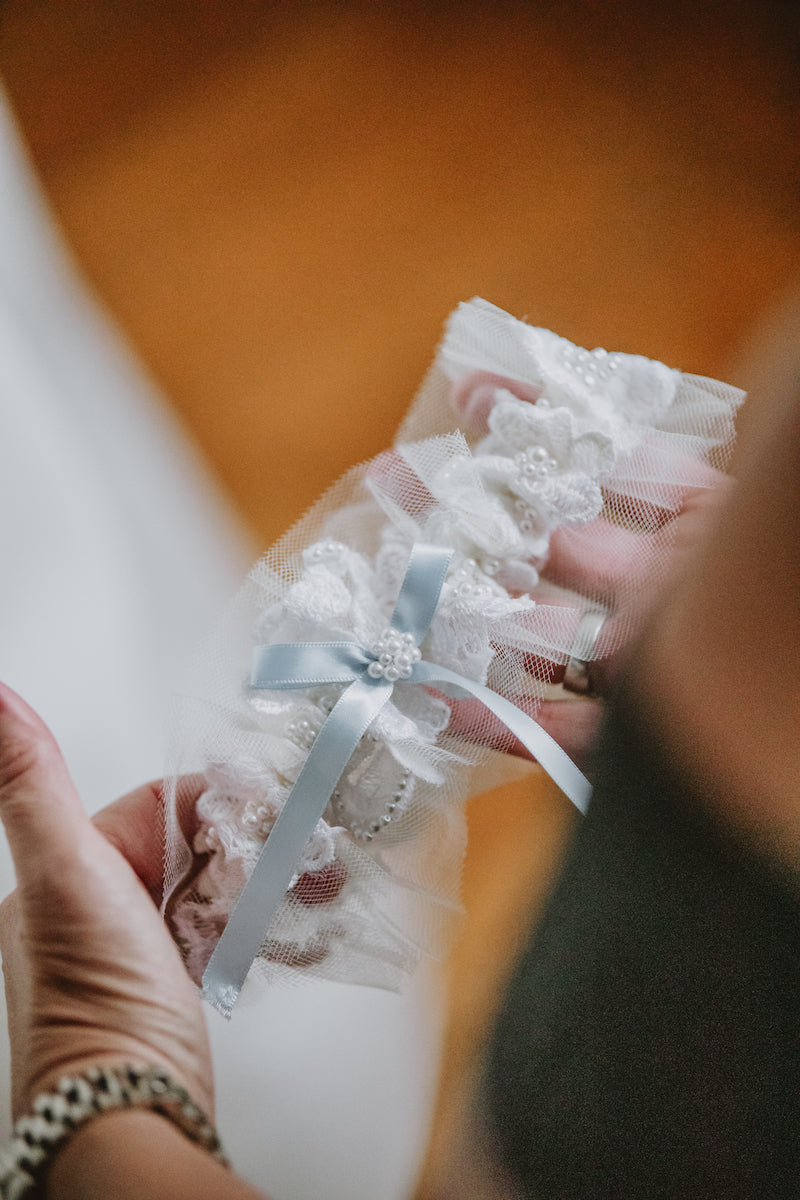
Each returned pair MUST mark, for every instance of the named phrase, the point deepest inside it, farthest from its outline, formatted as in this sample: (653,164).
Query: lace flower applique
(551,472)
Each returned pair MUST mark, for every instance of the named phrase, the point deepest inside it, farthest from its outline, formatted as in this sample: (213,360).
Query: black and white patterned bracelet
(26,1155)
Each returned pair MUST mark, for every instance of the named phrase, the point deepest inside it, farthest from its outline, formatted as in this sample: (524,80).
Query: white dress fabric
(116,554)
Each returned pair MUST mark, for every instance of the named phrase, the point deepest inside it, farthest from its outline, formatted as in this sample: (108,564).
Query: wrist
(75,1105)
(134,1154)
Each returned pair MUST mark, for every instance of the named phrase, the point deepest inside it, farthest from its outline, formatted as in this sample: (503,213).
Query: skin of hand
(91,974)
(132,1154)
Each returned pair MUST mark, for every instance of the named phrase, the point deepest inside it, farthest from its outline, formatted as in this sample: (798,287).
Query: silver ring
(576,677)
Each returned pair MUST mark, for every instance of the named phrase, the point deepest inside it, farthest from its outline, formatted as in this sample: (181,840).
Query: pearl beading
(303,732)
(466,581)
(395,655)
(367,832)
(526,516)
(592,367)
(328,552)
(258,819)
(534,465)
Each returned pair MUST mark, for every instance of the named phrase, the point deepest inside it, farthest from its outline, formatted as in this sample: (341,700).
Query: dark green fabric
(649,1042)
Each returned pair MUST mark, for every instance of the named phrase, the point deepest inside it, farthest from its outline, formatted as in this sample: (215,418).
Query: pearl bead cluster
(329,552)
(395,655)
(466,582)
(368,832)
(535,464)
(303,732)
(593,367)
(258,819)
(526,516)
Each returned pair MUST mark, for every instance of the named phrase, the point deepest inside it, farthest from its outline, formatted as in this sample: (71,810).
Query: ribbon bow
(372,675)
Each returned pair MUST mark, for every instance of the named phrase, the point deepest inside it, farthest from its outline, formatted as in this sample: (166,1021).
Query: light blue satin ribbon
(309,664)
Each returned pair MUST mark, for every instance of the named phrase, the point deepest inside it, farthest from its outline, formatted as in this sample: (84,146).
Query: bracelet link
(55,1116)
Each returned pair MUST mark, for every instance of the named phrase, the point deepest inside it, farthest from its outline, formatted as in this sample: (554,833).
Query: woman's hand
(91,974)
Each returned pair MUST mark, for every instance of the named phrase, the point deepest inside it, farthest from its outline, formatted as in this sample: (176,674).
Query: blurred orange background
(280,203)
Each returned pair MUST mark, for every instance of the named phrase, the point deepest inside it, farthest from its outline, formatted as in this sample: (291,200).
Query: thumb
(39,806)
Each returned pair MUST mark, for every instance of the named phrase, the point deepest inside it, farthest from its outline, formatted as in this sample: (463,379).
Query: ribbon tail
(547,752)
(247,925)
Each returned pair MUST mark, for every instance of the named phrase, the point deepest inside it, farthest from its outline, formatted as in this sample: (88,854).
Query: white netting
(558,496)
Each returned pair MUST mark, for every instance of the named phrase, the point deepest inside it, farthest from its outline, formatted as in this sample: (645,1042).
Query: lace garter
(431,564)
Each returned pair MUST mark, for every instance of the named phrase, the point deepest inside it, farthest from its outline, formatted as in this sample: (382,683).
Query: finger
(594,559)
(134,825)
(474,395)
(393,475)
(604,560)
(559,617)
(571,723)
(655,484)
(39,806)
(574,724)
